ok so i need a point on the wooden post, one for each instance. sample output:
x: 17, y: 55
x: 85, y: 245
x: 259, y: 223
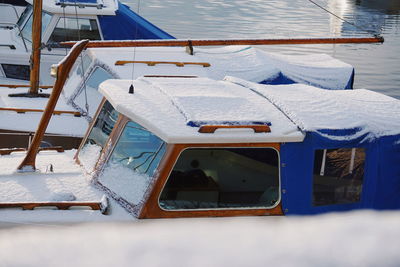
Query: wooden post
x: 35, y: 53
x: 36, y: 44
x: 64, y: 67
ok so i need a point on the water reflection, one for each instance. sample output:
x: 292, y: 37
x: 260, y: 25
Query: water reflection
x: 377, y: 66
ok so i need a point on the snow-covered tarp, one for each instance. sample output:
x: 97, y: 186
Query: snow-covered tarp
x: 338, y: 114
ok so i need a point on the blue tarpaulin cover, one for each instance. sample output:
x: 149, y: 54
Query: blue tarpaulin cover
x: 127, y: 25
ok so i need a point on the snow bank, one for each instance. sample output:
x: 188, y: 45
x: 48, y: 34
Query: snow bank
x: 364, y: 238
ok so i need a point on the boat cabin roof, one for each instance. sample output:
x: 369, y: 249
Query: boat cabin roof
x: 84, y: 7
x: 175, y: 108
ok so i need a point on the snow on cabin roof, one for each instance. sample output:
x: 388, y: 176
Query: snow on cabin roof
x: 66, y: 124
x: 336, y: 114
x: 85, y: 7
x: 170, y: 107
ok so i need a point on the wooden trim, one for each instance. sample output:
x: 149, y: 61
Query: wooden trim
x: 8, y: 151
x: 153, y: 63
x: 55, y: 112
x: 25, y: 86
x: 59, y: 205
x: 213, y: 128
x: 36, y: 44
x: 184, y: 43
x: 152, y: 210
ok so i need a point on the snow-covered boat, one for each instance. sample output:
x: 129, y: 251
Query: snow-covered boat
x: 193, y: 147
x: 64, y: 20
x: 20, y: 116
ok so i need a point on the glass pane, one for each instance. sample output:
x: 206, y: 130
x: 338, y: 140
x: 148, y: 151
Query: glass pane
x: 207, y: 178
x: 21, y: 72
x: 92, y: 83
x: 71, y: 29
x: 24, y: 15
x: 338, y: 176
x: 27, y: 30
x: 98, y: 136
x: 131, y: 165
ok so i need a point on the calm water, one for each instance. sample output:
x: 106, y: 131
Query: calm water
x: 377, y: 66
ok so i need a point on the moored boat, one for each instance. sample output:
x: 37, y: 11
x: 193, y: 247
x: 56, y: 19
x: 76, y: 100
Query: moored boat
x: 194, y: 147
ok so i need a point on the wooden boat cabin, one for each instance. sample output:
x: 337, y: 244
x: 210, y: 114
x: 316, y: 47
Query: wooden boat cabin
x: 193, y: 147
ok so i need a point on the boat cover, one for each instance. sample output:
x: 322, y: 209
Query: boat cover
x: 334, y: 119
x: 128, y: 25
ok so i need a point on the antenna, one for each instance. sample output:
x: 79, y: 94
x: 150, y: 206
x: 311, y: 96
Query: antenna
x: 132, y: 88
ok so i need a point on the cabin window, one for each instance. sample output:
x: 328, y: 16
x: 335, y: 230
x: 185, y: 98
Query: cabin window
x: 338, y: 176
x: 92, y: 83
x: 98, y: 136
x: 132, y: 163
x: 86, y: 61
x: 209, y: 178
x: 13, y: 71
x: 27, y: 29
x: 24, y: 15
x: 72, y: 29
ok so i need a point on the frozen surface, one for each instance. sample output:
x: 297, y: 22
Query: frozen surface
x: 157, y: 112
x: 363, y: 238
x: 313, y: 109
x: 66, y: 183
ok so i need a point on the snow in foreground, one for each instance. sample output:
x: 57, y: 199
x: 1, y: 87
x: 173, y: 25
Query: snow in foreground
x: 364, y: 238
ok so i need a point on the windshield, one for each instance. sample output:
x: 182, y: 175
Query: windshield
x: 27, y: 30
x: 27, y: 12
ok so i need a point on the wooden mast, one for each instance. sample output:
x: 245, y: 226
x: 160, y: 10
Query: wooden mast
x: 63, y: 69
x: 36, y: 45
x: 190, y: 43
x: 35, y: 54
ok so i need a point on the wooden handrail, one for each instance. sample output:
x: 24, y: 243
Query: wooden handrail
x: 25, y: 86
x: 184, y: 43
x: 153, y: 63
x: 64, y: 205
x: 213, y: 128
x: 8, y: 151
x: 55, y: 112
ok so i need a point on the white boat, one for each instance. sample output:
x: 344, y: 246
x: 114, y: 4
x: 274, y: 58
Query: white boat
x: 197, y: 147
x: 81, y: 98
x: 64, y: 20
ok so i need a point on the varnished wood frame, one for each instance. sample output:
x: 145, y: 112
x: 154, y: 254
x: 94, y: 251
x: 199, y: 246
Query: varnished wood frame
x: 152, y: 209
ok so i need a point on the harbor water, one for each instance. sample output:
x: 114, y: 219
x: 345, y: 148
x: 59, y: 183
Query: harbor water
x: 377, y: 65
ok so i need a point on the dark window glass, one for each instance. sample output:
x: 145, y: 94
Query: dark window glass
x: 24, y: 15
x: 71, y: 29
x: 338, y: 176
x: 98, y: 136
x: 21, y: 72
x: 207, y: 178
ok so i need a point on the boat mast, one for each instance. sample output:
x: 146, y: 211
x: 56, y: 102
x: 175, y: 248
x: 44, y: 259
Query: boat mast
x: 35, y: 54
x: 36, y: 45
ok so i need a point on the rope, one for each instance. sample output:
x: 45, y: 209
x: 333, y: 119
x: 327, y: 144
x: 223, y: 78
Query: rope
x: 375, y: 34
x: 81, y: 57
x: 65, y: 29
x: 134, y: 49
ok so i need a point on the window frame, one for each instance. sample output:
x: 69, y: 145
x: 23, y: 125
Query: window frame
x: 61, y: 17
x: 152, y: 208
